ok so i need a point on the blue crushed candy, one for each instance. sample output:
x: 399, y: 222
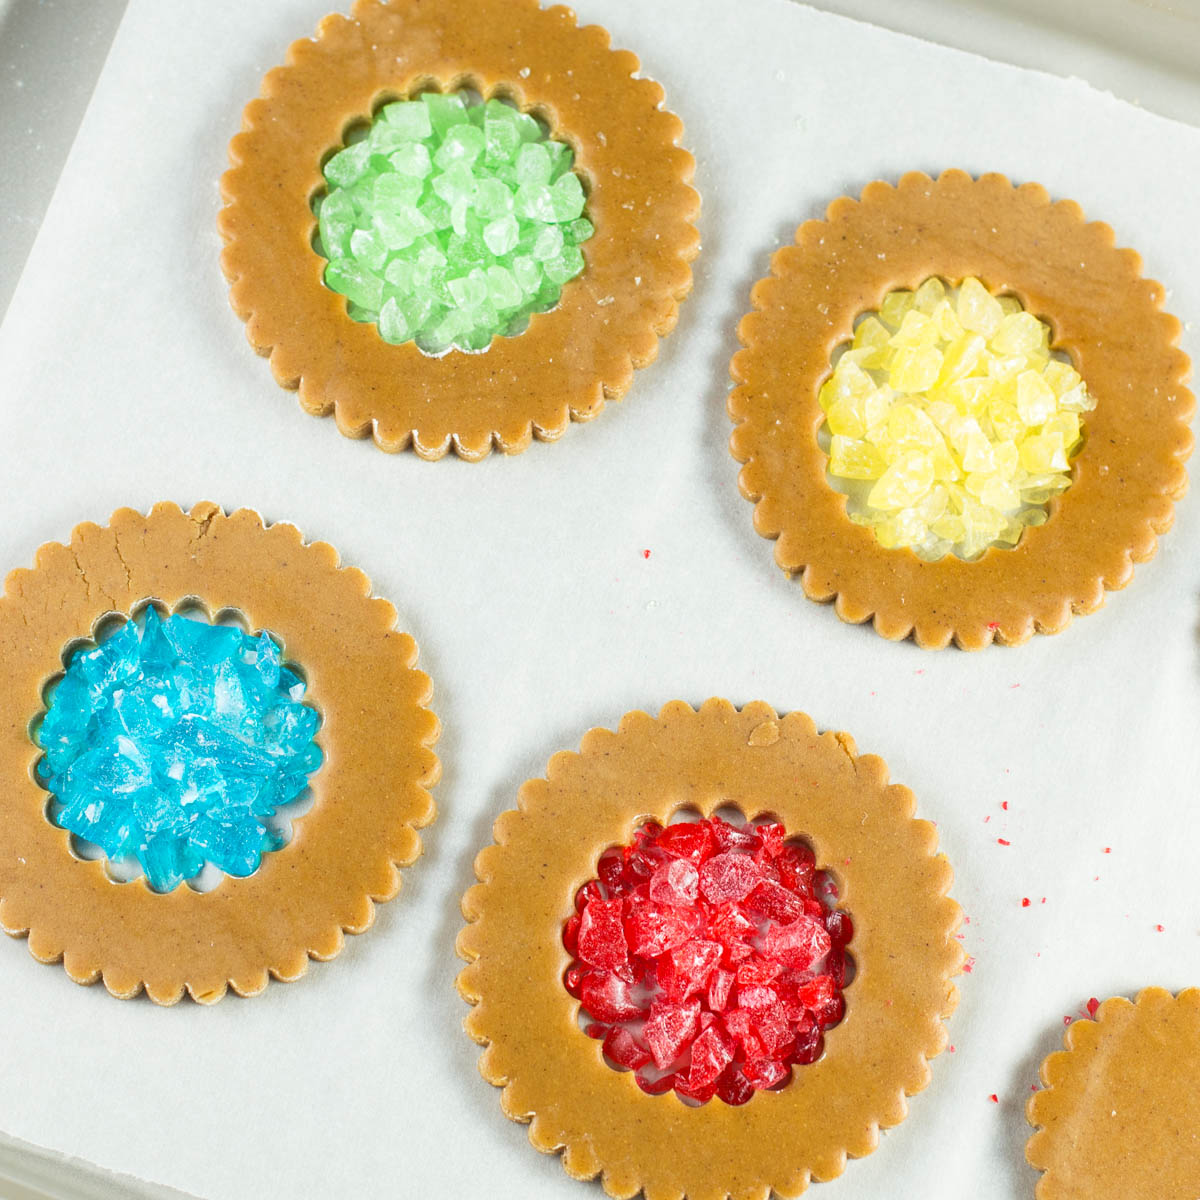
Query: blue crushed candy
x: 174, y: 741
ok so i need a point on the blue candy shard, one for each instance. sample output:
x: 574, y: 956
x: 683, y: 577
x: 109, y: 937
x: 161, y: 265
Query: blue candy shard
x: 174, y: 741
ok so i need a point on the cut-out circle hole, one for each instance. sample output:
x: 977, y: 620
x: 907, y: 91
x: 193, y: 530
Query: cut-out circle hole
x: 950, y: 424
x: 176, y: 746
x: 448, y: 219
x: 709, y: 956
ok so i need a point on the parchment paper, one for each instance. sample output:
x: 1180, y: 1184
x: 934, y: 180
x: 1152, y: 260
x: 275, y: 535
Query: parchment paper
x: 125, y: 378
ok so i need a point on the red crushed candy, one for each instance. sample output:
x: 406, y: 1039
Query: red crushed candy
x: 707, y: 958
x: 1092, y: 1005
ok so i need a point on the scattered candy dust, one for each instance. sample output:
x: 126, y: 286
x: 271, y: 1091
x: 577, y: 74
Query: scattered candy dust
x: 172, y: 741
x: 706, y: 959
x: 451, y: 222
x: 950, y: 423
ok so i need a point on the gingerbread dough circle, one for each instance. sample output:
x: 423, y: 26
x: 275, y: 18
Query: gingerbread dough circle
x: 370, y: 794
x: 891, y: 880
x: 570, y: 360
x: 1065, y: 271
x: 1119, y: 1118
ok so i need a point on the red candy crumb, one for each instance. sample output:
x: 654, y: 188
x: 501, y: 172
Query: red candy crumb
x: 994, y: 1098
x: 645, y: 553
x: 1092, y: 1005
x: 1025, y: 902
x: 708, y: 959
x: 1004, y: 841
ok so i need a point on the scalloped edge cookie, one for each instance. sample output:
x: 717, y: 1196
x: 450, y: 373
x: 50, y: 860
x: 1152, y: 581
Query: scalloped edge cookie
x: 1065, y: 271
x: 569, y: 361
x: 369, y: 797
x: 1119, y: 1116
x: 890, y: 878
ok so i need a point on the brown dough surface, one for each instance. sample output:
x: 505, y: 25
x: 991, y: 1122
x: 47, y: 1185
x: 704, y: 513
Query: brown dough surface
x: 1065, y: 271
x: 370, y: 794
x: 891, y: 880
x: 569, y: 361
x: 1119, y: 1118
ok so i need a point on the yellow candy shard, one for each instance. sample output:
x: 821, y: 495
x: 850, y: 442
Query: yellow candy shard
x: 871, y: 334
x: 948, y: 325
x: 894, y: 307
x: 929, y: 295
x: 977, y: 309
x: 854, y: 459
x: 1036, y: 400
x: 1043, y: 452
x: 1020, y: 333
x: 949, y: 421
x: 845, y: 383
x: 962, y: 357
x: 907, y: 479
x: 1061, y: 377
x: 915, y: 368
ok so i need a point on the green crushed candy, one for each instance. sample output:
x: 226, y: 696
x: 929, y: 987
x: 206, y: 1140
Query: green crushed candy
x: 451, y: 222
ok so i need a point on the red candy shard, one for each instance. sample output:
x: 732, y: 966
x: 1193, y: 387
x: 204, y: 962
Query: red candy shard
x: 602, y: 935
x: 840, y: 927
x: 758, y: 969
x: 653, y: 929
x: 734, y: 930
x: 765, y: 1072
x: 772, y: 835
x: 709, y: 958
x: 669, y: 1028
x: 799, y: 944
x: 701, y: 1095
x: 690, y: 840
x: 654, y: 1087
x: 734, y: 837
x: 775, y: 902
x: 607, y: 998
x: 675, y: 882
x: 686, y: 969
x: 729, y: 876
x: 720, y: 983
x: 711, y: 1054
x: 623, y: 1050
x: 570, y: 937
x: 733, y: 1087
x: 586, y: 894
x: 816, y: 992
x: 796, y: 867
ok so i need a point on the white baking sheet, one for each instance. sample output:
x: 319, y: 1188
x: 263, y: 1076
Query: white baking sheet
x: 125, y: 378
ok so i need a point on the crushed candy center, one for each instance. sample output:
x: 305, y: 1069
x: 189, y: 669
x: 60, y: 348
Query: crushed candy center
x: 451, y: 222
x: 173, y: 742
x: 707, y: 959
x: 948, y: 422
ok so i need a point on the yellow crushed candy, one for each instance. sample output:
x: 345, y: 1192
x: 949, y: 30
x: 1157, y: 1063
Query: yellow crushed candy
x: 949, y: 421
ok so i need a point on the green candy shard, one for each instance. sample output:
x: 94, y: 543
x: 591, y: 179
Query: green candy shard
x: 450, y: 222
